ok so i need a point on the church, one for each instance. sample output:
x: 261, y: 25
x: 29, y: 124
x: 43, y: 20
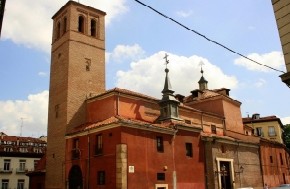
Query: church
x: 121, y: 139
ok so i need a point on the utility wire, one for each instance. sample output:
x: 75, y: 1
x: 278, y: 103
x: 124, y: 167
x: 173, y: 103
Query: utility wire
x: 208, y: 39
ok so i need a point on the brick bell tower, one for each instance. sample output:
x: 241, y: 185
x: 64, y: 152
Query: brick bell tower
x: 77, y: 71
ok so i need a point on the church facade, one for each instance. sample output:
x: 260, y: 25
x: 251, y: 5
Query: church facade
x: 122, y: 139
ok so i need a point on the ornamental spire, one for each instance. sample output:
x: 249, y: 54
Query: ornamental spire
x: 202, y: 82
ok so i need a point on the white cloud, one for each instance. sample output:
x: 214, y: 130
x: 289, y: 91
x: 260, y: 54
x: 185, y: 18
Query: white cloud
x: 126, y: 52
x: 42, y: 74
x: 285, y: 120
x: 273, y: 59
x: 30, y: 113
x: 30, y: 24
x: 260, y: 83
x: 147, y: 75
x: 184, y: 14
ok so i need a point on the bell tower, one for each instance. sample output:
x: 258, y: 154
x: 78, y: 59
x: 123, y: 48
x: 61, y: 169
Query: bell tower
x: 77, y: 71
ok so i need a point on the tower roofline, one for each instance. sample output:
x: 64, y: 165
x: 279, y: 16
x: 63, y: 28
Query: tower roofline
x: 77, y: 4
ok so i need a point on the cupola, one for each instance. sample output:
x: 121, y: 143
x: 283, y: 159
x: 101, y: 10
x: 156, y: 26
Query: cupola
x: 168, y: 104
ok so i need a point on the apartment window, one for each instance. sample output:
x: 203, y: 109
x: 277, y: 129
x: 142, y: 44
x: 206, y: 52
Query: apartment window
x: 99, y: 144
x: 159, y: 144
x: 101, y: 178
x: 22, y: 164
x: 7, y: 164
x: 5, y: 183
x: 213, y: 129
x: 271, y: 131
x: 259, y: 131
x: 188, y: 148
x: 160, y: 176
x: 271, y: 159
x: 35, y: 163
x: 281, y: 159
x: 20, y: 184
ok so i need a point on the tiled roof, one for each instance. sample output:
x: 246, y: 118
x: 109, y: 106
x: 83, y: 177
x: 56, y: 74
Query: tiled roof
x: 126, y: 91
x: 207, y: 94
x: 261, y: 119
x: 21, y: 139
x: 120, y: 119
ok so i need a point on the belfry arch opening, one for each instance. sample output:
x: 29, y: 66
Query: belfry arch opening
x: 93, y: 27
x: 81, y: 26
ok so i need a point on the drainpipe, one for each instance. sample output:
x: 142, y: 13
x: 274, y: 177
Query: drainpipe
x: 88, y: 168
x: 173, y: 158
x: 201, y: 119
x: 117, y: 103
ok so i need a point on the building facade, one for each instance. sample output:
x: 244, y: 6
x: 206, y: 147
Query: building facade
x: 121, y: 139
x: 268, y: 127
x: 18, y: 155
x: 77, y: 71
x: 282, y: 11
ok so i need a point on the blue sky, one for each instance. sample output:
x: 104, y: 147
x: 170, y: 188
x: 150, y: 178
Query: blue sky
x: 137, y: 39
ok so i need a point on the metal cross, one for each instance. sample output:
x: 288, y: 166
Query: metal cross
x: 166, y: 60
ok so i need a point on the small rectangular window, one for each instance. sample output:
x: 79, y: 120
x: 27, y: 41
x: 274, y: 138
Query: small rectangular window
x: 99, y: 145
x: 271, y: 159
x: 7, y: 164
x: 213, y: 129
x: 259, y: 131
x: 281, y: 159
x: 101, y: 178
x: 56, y: 109
x: 159, y: 144
x: 271, y: 131
x: 188, y: 148
x: 160, y: 176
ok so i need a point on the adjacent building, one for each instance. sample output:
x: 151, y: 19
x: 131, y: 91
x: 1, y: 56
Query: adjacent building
x: 282, y: 14
x: 268, y: 127
x: 18, y: 155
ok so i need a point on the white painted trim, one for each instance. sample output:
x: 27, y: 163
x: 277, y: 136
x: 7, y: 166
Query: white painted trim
x: 161, y: 185
x: 232, y: 173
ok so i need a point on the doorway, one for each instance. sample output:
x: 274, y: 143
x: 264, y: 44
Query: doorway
x: 225, y: 175
x: 75, y: 178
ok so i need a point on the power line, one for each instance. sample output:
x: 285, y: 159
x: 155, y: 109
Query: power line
x: 208, y: 39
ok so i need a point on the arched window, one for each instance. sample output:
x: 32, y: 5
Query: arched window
x: 81, y: 27
x: 64, y: 25
x: 93, y: 28
x: 58, y: 30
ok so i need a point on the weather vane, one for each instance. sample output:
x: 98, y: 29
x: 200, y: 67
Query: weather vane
x: 166, y: 60
x: 200, y: 64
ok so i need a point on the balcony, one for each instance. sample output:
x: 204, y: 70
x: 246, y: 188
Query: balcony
x: 272, y: 134
x: 76, y: 153
x: 98, y: 151
x: 21, y: 170
x: 2, y: 170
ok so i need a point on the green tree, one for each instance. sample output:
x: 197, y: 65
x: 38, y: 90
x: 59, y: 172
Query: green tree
x: 286, y: 135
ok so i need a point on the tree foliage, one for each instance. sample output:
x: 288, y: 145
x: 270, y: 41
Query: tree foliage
x: 286, y: 135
